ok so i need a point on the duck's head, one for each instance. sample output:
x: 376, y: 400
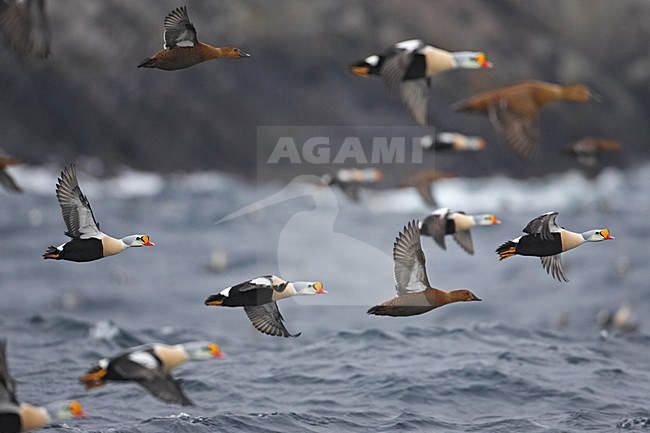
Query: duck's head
x: 463, y: 295
x: 597, y: 235
x: 233, y: 52
x: 202, y: 350
x: 471, y: 60
x: 580, y: 93
x: 137, y: 241
x: 309, y: 288
x: 486, y: 220
x: 371, y: 65
x: 61, y: 410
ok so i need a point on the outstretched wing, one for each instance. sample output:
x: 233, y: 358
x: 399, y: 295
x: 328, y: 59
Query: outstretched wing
x: 464, y: 239
x: 8, y: 182
x: 267, y: 319
x: 409, y: 267
x: 543, y: 226
x: 166, y: 388
x: 77, y: 214
x: 179, y: 31
x: 553, y: 265
x: 515, y: 118
x: 436, y: 226
x: 7, y: 383
x: 24, y: 27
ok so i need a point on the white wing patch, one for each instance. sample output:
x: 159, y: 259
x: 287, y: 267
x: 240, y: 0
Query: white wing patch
x: 410, y: 45
x: 261, y: 282
x: 225, y: 292
x: 144, y: 359
x: 103, y: 363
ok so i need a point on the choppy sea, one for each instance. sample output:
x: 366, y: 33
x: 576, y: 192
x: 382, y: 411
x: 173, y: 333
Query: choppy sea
x: 529, y: 358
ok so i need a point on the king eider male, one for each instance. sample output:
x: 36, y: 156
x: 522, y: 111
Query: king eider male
x: 19, y: 417
x: 258, y: 297
x: 150, y: 366
x: 443, y: 222
x: 88, y: 242
x: 544, y: 239
x: 414, y: 293
x: 452, y: 141
x: 350, y: 180
x: 182, y: 49
x: 407, y: 67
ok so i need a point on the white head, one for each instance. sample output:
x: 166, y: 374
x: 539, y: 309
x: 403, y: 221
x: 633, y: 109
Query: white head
x: 202, y: 350
x: 485, y: 220
x: 60, y: 410
x: 308, y: 288
x: 470, y: 60
x: 597, y: 235
x: 137, y: 241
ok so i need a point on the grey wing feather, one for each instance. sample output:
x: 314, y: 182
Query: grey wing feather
x: 553, y: 266
x: 415, y: 96
x: 409, y: 267
x: 8, y: 182
x: 351, y: 190
x: 166, y: 388
x: 267, y: 319
x: 519, y: 132
x: 424, y: 189
x: 179, y: 31
x: 543, y: 226
x: 436, y: 225
x: 464, y: 239
x: 24, y: 27
x: 76, y: 210
x: 6, y: 381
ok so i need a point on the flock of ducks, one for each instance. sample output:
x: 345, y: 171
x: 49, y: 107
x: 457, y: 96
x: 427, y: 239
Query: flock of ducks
x: 407, y: 68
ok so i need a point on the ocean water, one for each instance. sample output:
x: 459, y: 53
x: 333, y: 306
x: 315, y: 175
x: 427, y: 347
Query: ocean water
x: 529, y: 358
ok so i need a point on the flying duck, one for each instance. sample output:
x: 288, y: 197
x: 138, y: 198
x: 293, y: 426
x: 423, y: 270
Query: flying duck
x: 546, y: 240
x: 350, y: 180
x: 24, y: 27
x: 19, y: 417
x: 258, y: 297
x: 443, y: 222
x: 513, y: 110
x: 150, y: 366
x: 414, y: 292
x: 88, y: 242
x: 454, y: 141
x: 422, y: 182
x: 407, y: 67
x: 182, y: 49
x: 5, y: 179
x: 588, y: 150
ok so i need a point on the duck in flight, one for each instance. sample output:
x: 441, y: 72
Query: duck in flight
x: 546, y: 240
x: 458, y: 224
x: 258, y: 297
x: 407, y: 68
x: 24, y: 28
x: 150, y: 366
x: 88, y: 243
x: 5, y: 179
x: 514, y: 110
x: 18, y: 417
x: 414, y: 292
x: 182, y: 49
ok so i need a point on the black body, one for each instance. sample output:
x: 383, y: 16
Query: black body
x: 530, y: 245
x: 81, y: 250
x: 244, y: 298
x: 10, y: 423
x: 417, y: 68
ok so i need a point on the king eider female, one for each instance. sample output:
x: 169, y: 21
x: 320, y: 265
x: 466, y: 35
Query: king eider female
x: 414, y: 293
x: 407, y: 67
x: 258, y: 297
x: 19, y: 417
x: 150, y: 366
x: 443, y: 222
x: 182, y: 49
x: 544, y: 239
x: 88, y: 242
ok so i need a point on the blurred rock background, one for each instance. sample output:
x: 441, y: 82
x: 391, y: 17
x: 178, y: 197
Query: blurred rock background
x: 89, y: 99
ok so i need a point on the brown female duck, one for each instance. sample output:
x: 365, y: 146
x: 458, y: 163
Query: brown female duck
x: 182, y: 49
x: 414, y: 293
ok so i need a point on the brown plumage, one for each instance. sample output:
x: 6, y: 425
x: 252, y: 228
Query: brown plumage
x: 422, y: 181
x: 414, y: 293
x: 24, y: 27
x: 5, y: 179
x: 588, y: 150
x: 182, y: 48
x: 513, y: 110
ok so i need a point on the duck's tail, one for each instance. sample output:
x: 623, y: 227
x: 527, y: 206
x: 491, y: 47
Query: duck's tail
x: 94, y: 377
x: 506, y: 250
x: 52, y: 253
x: 215, y: 300
x: 147, y: 63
